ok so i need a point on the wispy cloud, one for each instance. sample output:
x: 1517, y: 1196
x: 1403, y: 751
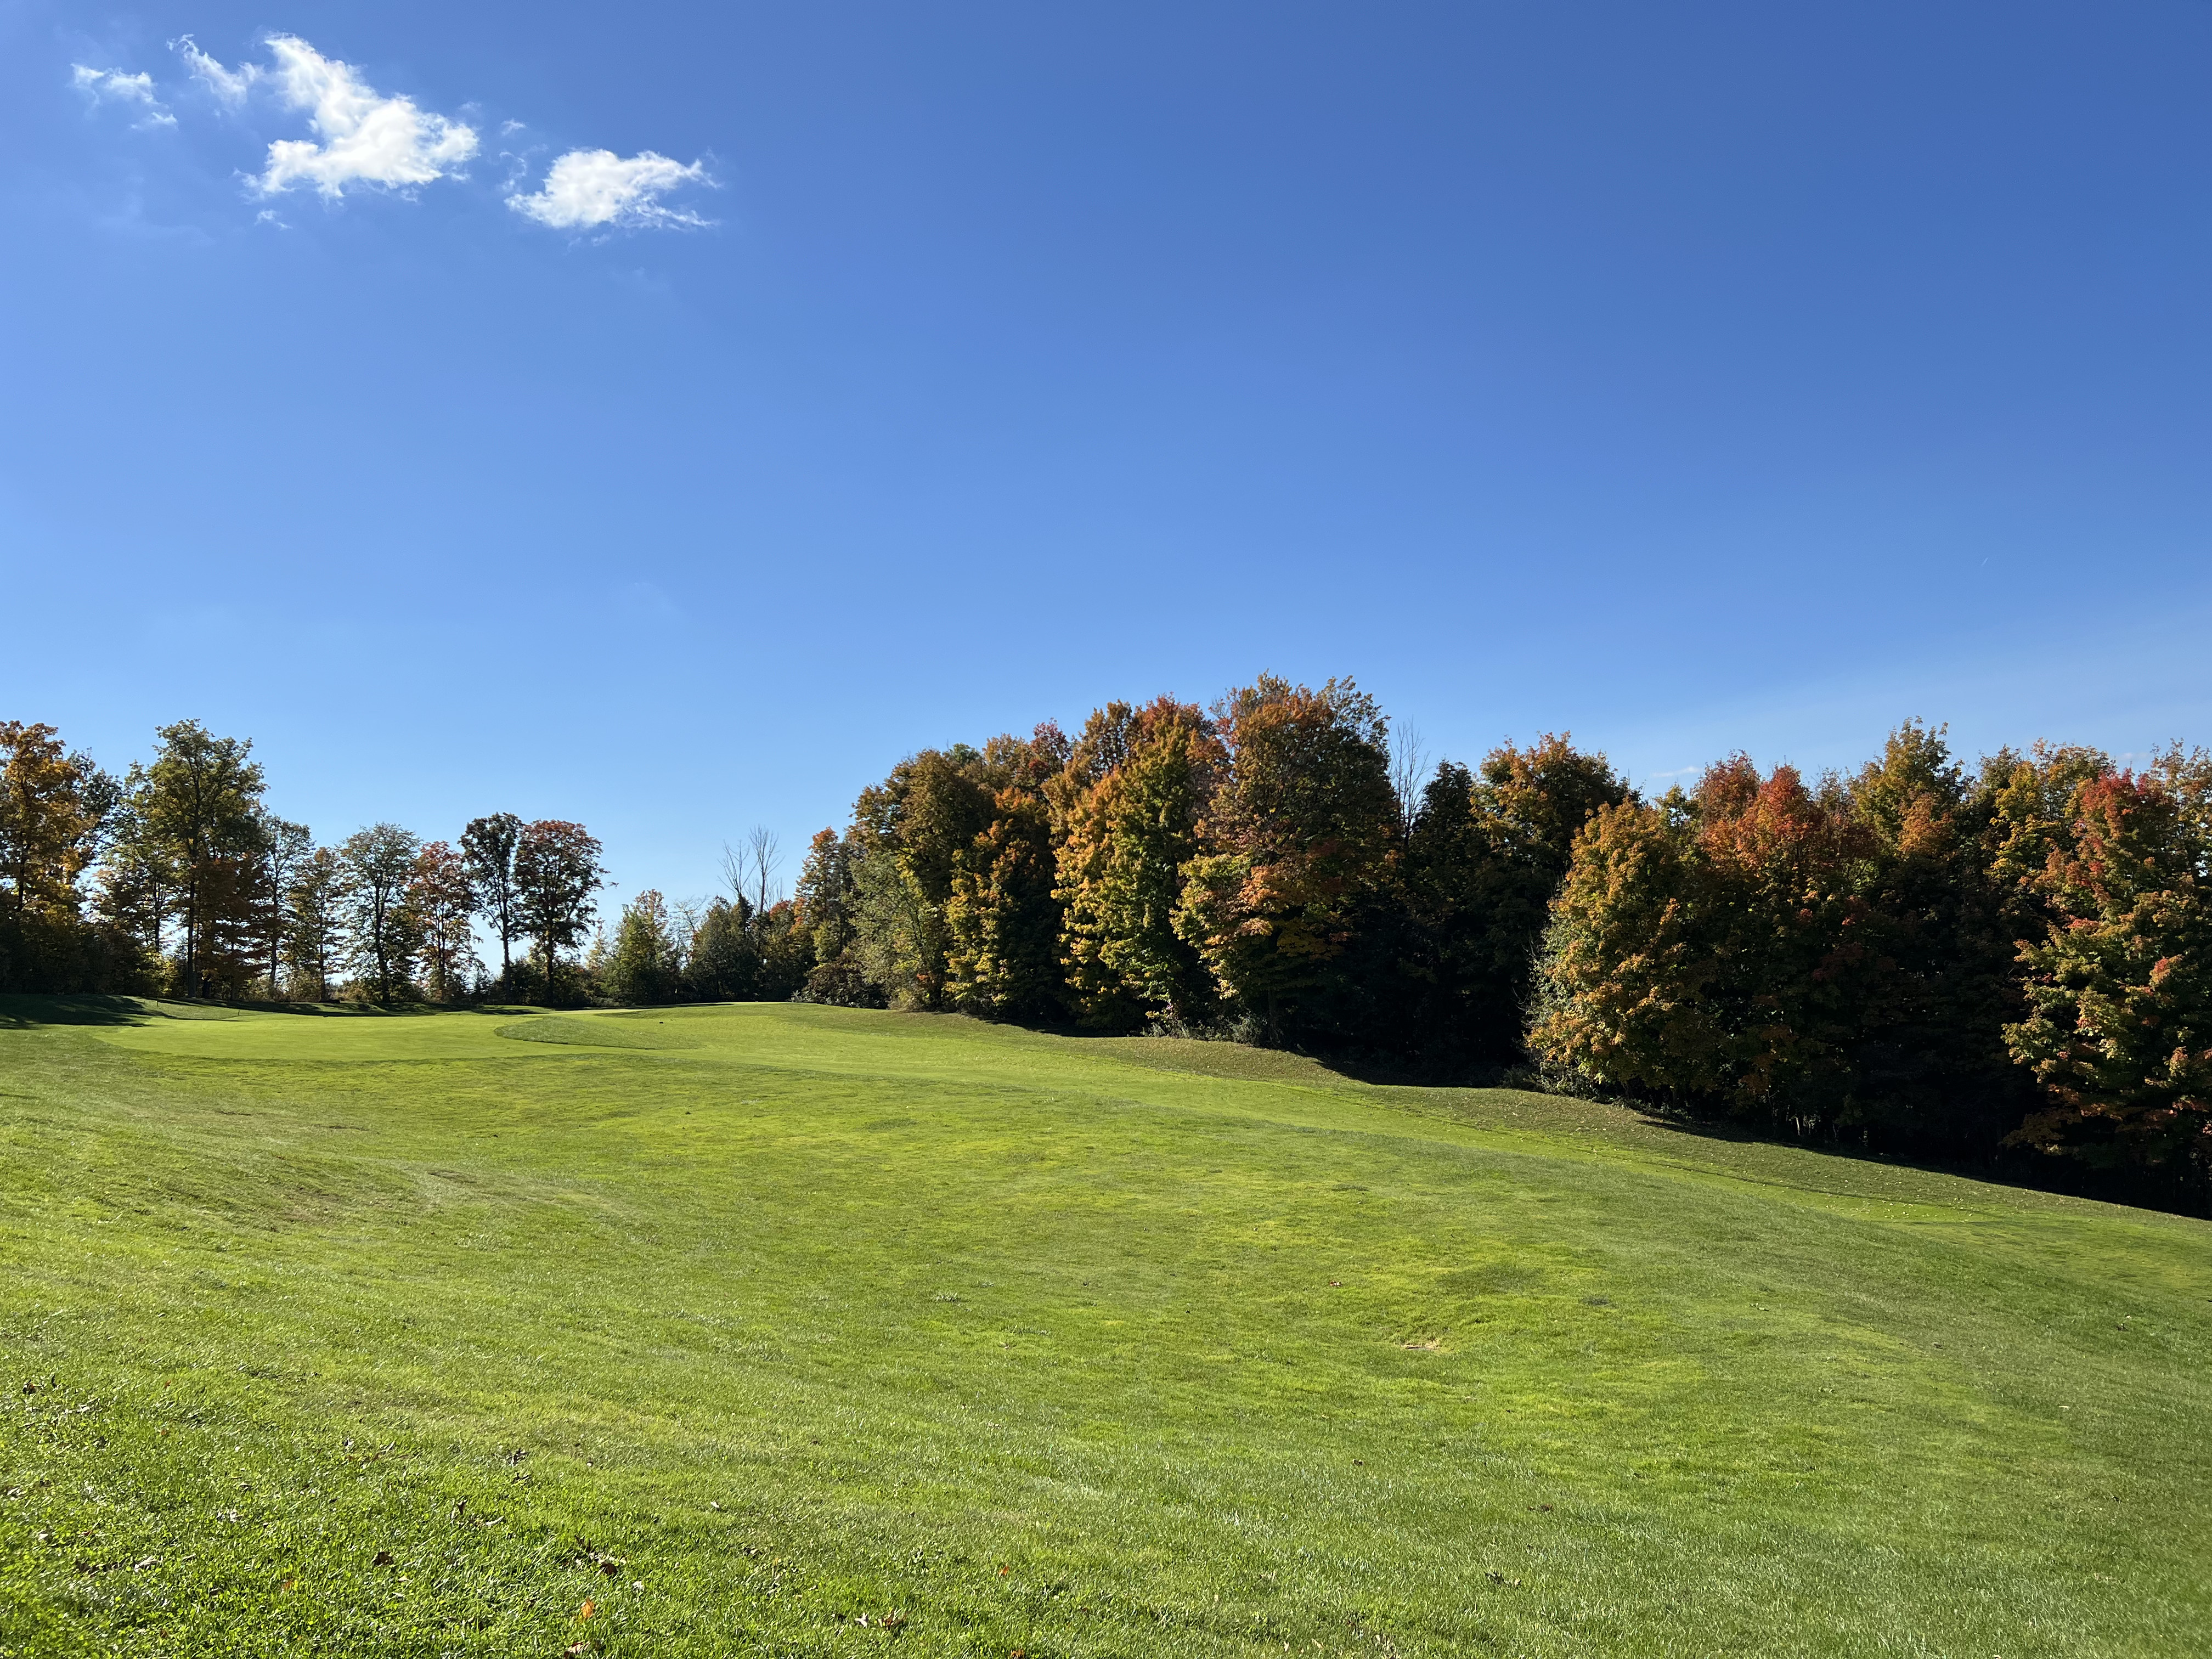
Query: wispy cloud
x: 229, y: 85
x: 592, y: 189
x: 114, y: 87
x: 367, y: 138
x: 364, y: 138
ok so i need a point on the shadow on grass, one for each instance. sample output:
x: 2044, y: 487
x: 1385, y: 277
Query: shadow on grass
x: 23, y: 1012
x: 28, y: 1010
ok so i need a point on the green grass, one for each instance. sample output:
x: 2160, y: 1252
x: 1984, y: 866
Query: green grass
x: 788, y: 1330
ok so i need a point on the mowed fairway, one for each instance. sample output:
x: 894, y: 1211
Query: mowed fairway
x: 790, y: 1330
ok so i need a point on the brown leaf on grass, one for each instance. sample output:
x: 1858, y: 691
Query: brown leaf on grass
x: 383, y: 1558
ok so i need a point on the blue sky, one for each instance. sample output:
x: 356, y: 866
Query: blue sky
x: 756, y: 394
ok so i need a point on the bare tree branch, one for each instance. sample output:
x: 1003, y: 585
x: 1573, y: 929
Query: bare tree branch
x: 763, y: 857
x: 1409, y: 763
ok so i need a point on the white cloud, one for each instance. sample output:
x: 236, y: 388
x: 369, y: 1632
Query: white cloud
x: 367, y: 138
x: 229, y: 85
x: 590, y: 188
x: 114, y: 87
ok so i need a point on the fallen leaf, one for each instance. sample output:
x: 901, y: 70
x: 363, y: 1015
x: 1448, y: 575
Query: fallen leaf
x: 383, y: 1558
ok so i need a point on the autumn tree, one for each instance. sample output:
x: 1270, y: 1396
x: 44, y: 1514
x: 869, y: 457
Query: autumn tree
x: 909, y: 832
x: 52, y: 805
x: 1002, y: 917
x: 441, y: 903
x: 557, y: 870
x: 382, y: 934
x: 1732, y: 936
x: 2118, y: 1030
x: 1128, y: 806
x: 1299, y: 833
x: 1621, y: 993
x: 488, y: 845
x: 1486, y: 852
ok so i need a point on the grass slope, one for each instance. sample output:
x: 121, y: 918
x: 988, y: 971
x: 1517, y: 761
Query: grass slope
x: 774, y: 1329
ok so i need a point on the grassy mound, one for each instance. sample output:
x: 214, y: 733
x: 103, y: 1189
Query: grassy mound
x: 774, y: 1329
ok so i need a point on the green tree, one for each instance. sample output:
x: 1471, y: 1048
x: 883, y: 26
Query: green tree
x: 315, y: 914
x: 1935, y: 955
x: 646, y: 964
x: 1485, y: 853
x: 285, y: 848
x: 827, y: 913
x: 197, y: 831
x: 383, y: 935
x: 723, y: 962
x: 557, y: 870
x: 1302, y: 831
x: 488, y: 845
x: 910, y: 833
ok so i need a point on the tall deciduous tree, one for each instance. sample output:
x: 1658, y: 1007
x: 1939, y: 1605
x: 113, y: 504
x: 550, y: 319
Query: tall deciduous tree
x: 285, y: 848
x: 557, y: 870
x: 1002, y: 918
x: 827, y: 905
x: 51, y: 807
x: 646, y: 963
x: 1129, y: 807
x: 1301, y: 832
x: 488, y: 845
x: 1934, y: 932
x: 197, y: 807
x: 441, y: 902
x: 315, y: 914
x: 379, y: 862
x: 1485, y: 853
x: 909, y: 832
x: 1622, y: 991
x: 2119, y: 990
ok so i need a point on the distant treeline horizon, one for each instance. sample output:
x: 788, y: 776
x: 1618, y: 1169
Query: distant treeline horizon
x: 2008, y: 960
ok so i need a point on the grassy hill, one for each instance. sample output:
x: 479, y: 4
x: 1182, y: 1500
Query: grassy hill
x: 785, y: 1330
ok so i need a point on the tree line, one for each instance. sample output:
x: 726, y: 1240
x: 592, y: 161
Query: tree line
x: 176, y: 878
x: 2008, y: 959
